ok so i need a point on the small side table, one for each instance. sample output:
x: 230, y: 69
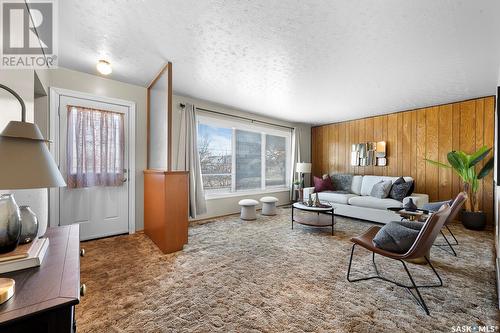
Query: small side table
x: 418, y: 215
x: 46, y: 296
x: 298, y: 194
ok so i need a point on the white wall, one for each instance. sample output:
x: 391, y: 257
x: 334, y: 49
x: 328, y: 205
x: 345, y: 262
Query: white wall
x: 497, y: 188
x: 22, y: 82
x: 93, y: 84
x: 229, y: 205
x: 158, y: 119
x: 41, y: 110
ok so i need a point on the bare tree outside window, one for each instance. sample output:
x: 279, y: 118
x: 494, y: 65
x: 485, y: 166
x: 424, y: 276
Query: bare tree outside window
x: 275, y: 160
x: 214, y: 147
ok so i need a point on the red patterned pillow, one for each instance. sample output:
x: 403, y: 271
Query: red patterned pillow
x: 321, y: 185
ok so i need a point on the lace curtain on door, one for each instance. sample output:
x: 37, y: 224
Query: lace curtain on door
x: 95, y: 147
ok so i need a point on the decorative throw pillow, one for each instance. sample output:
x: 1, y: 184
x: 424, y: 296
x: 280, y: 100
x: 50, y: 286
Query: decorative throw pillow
x: 397, y: 236
x: 435, y: 206
x: 381, y: 189
x: 356, y: 184
x: 400, y: 189
x: 412, y: 188
x: 400, y: 180
x: 321, y: 185
x: 342, y: 181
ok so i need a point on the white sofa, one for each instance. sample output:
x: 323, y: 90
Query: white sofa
x: 360, y: 205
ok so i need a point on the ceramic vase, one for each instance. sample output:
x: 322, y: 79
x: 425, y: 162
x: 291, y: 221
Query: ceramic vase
x: 310, y: 201
x: 29, y: 225
x: 317, y: 203
x: 10, y: 223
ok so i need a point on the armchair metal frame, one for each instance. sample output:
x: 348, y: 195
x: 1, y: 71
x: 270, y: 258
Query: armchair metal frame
x: 448, y: 243
x: 418, y: 296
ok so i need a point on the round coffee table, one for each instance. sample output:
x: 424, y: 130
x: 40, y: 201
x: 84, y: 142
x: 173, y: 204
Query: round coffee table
x: 319, y: 217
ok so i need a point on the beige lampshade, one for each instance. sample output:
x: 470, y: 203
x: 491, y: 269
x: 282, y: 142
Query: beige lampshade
x: 25, y: 159
x: 304, y: 167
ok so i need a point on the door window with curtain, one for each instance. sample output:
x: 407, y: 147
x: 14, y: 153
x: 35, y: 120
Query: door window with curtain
x: 95, y: 149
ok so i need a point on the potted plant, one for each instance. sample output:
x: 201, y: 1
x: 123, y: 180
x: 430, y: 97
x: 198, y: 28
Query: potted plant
x: 464, y: 166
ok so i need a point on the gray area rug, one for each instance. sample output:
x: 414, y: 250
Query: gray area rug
x: 262, y: 276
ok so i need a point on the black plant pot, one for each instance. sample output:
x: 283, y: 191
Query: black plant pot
x: 474, y: 220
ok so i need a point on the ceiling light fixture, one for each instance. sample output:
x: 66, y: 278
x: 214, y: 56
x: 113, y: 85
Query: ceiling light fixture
x: 104, y: 67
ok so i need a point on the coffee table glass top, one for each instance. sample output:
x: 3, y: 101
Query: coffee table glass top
x: 300, y: 205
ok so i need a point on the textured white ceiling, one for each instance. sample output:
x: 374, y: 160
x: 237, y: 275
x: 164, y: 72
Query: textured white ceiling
x: 300, y: 60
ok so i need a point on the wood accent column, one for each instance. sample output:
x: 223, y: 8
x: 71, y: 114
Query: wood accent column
x: 411, y: 137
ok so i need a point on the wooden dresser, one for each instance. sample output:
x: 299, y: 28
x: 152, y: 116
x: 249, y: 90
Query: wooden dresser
x: 166, y: 208
x: 45, y: 296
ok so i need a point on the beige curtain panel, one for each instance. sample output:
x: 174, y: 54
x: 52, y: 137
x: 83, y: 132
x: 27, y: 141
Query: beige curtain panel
x: 95, y: 148
x: 295, y: 159
x: 188, y: 159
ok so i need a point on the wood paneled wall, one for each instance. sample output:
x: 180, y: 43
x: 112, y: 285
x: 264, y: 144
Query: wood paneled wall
x: 411, y: 136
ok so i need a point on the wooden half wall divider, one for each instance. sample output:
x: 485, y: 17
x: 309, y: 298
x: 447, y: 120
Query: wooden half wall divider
x: 166, y: 198
x: 412, y: 136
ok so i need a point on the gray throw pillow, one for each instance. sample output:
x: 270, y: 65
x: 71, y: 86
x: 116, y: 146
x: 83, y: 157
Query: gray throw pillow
x: 342, y: 181
x: 397, y: 236
x: 381, y: 189
x: 400, y: 189
x: 434, y: 206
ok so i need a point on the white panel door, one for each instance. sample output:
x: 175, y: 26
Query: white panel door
x: 100, y: 210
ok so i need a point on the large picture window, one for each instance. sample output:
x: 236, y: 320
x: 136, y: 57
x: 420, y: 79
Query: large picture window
x: 237, y: 156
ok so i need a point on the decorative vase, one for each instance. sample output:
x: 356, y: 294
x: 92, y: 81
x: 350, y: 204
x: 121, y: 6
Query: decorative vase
x: 317, y: 203
x: 474, y: 220
x: 42, y: 227
x: 10, y: 223
x: 410, y: 206
x: 310, y: 201
x: 29, y: 225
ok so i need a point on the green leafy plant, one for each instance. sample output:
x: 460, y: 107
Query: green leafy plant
x: 464, y: 166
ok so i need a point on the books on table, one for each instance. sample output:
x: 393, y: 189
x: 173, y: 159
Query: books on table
x: 24, y: 256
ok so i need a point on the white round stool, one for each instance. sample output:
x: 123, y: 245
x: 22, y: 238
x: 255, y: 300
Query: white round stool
x: 248, y: 209
x: 269, y: 205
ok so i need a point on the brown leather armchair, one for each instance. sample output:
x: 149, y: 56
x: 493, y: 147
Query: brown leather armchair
x: 419, y: 249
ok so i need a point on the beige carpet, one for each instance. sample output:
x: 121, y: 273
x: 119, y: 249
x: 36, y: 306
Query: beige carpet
x: 261, y: 276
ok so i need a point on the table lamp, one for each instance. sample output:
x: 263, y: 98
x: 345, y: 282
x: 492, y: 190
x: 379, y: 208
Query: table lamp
x: 303, y: 168
x: 26, y: 163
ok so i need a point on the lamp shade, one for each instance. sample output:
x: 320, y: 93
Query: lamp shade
x: 26, y: 160
x: 304, y: 167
